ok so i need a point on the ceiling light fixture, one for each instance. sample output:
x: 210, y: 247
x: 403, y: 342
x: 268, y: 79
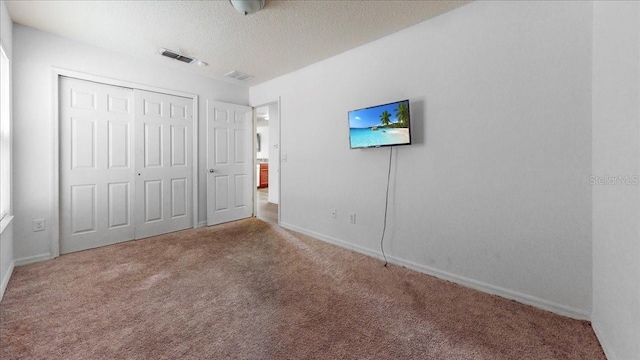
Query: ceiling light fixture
x: 246, y: 7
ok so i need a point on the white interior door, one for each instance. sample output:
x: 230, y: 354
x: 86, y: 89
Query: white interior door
x: 96, y: 167
x: 164, y: 128
x: 229, y: 162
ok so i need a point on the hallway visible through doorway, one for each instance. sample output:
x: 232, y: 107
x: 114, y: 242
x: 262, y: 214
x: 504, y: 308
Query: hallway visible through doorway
x: 267, y: 162
x: 266, y: 211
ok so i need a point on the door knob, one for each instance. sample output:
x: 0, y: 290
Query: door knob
x: 211, y: 171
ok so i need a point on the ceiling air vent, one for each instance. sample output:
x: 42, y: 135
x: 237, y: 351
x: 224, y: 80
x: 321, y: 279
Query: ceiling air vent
x: 174, y: 55
x: 239, y: 75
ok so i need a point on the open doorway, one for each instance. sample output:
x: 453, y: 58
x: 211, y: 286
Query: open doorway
x: 267, y: 162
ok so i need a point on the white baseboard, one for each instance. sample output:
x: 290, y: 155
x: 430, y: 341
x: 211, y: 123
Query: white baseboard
x: 32, y: 259
x: 5, y: 279
x: 494, y: 290
x: 608, y: 353
x: 464, y: 281
x: 201, y: 224
x: 332, y: 240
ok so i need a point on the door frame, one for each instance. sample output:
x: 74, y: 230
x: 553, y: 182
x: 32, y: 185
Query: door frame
x: 277, y: 102
x: 56, y: 73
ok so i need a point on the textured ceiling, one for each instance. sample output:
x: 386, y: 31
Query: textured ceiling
x: 283, y: 37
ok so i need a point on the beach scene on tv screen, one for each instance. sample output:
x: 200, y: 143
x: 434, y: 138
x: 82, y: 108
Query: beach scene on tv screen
x: 380, y: 125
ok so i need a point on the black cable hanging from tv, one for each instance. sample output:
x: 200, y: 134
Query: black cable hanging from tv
x: 386, y: 207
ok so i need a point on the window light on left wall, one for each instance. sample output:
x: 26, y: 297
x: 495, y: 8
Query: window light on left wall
x: 5, y: 138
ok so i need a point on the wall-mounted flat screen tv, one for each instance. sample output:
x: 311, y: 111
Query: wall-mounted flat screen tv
x: 381, y: 125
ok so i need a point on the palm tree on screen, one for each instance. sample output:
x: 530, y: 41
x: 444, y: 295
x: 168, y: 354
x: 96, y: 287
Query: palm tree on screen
x: 384, y: 118
x: 402, y: 113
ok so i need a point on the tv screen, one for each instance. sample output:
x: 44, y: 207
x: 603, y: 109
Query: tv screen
x: 381, y: 125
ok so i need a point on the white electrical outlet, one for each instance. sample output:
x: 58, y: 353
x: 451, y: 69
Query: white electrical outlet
x: 38, y: 225
x: 352, y: 218
x: 334, y: 213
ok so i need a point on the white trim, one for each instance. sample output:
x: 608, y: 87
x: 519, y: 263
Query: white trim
x: 202, y: 224
x: 5, y: 280
x: 254, y: 171
x: 279, y: 160
x: 461, y: 280
x: 56, y: 73
x: 33, y: 259
x: 608, y: 350
x: 194, y: 163
x: 120, y: 83
x: 332, y: 240
x: 54, y: 246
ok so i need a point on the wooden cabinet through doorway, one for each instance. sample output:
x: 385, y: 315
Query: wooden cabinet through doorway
x: 264, y: 176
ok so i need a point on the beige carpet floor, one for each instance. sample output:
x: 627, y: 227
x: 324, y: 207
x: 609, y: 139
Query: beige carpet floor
x: 250, y: 290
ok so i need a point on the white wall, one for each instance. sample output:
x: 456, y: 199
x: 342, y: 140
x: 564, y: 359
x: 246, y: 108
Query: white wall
x: 35, y: 53
x: 6, y: 237
x: 616, y: 152
x: 494, y: 193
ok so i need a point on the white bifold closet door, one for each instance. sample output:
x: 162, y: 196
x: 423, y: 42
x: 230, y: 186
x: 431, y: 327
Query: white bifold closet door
x: 164, y: 154
x: 125, y: 164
